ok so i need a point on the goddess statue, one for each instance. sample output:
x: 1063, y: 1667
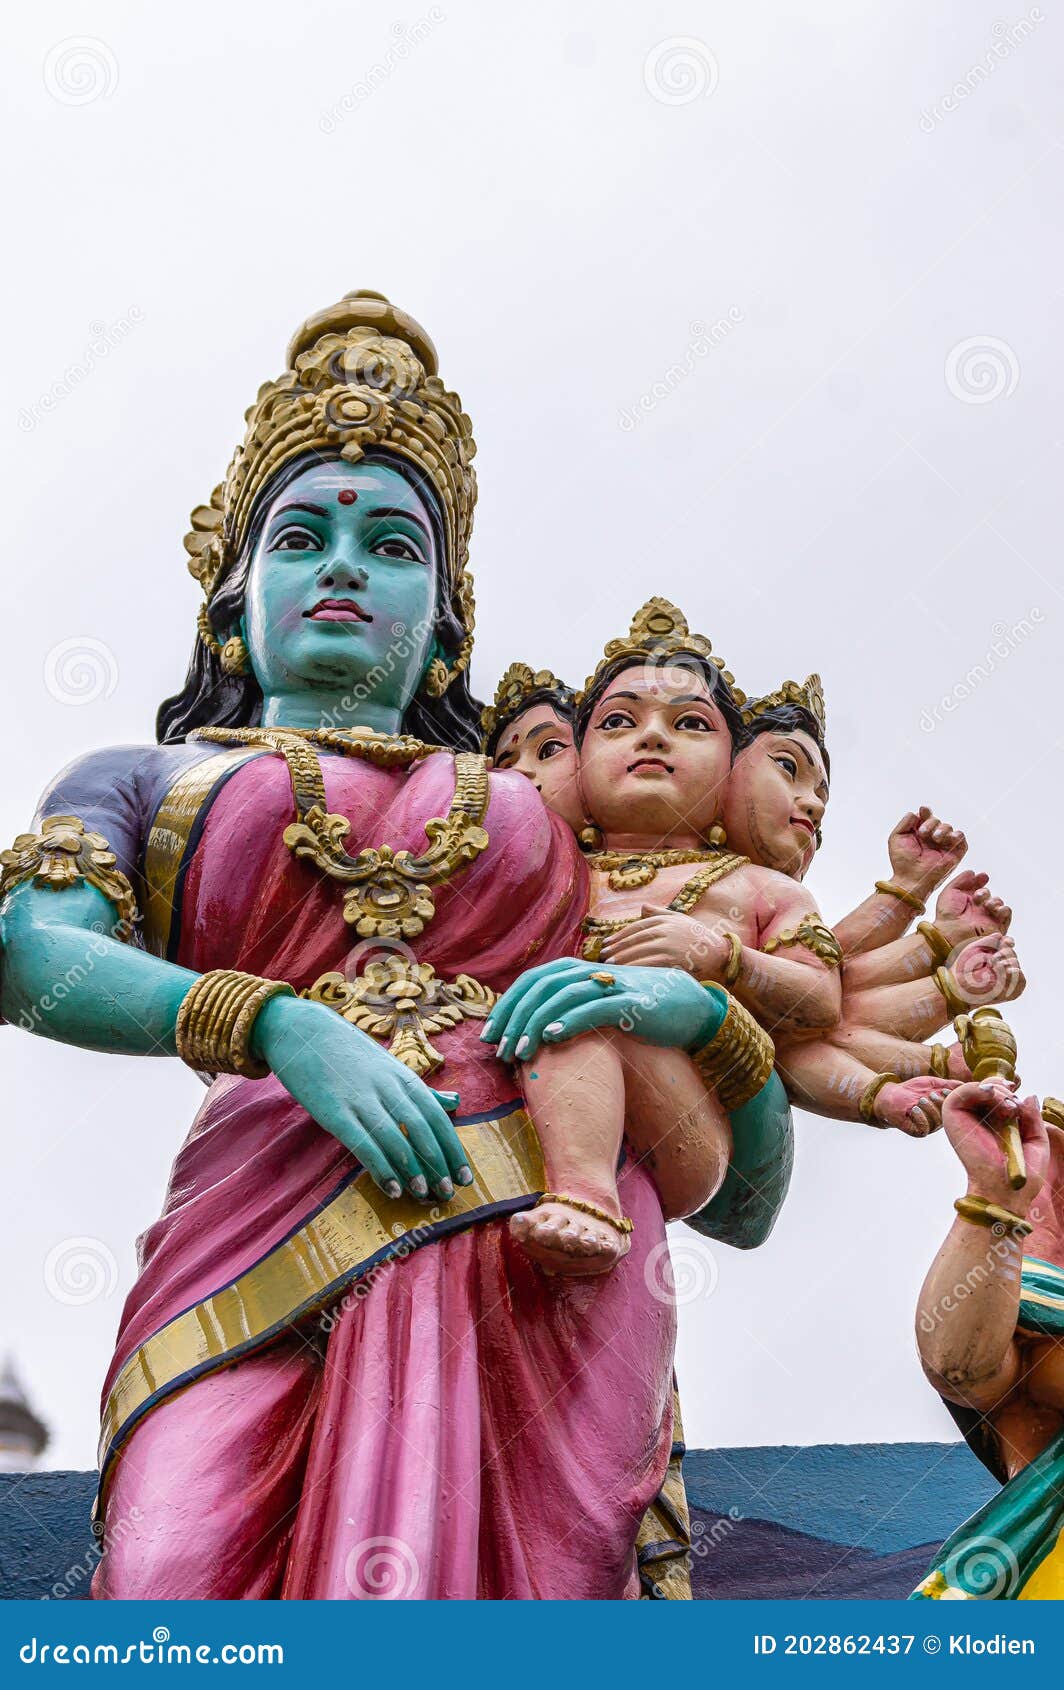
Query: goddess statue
x: 338, y: 1374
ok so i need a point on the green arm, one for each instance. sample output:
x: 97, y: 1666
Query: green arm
x: 744, y: 1210
x: 65, y: 977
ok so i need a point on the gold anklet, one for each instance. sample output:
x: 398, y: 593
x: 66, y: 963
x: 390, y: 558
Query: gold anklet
x: 215, y: 1020
x: 623, y: 1225
x: 985, y: 1213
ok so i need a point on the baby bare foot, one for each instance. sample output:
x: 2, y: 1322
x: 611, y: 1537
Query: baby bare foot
x: 564, y: 1240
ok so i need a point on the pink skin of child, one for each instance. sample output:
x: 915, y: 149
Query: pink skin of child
x: 540, y: 745
x: 654, y: 764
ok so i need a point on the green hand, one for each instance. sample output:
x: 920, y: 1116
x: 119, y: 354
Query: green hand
x: 560, y: 1000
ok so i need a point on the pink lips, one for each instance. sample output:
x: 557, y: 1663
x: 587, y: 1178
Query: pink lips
x: 650, y: 763
x: 801, y: 821
x: 338, y: 610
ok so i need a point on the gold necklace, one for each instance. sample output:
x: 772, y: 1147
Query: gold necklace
x: 597, y: 928
x: 389, y: 893
x: 631, y: 869
x: 384, y: 750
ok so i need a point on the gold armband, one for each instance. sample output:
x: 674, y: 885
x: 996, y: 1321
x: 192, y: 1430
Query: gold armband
x: 215, y: 1020
x: 65, y: 854
x: 734, y: 966
x: 940, y: 1062
x: 936, y: 942
x: 909, y: 898
x: 1053, y: 1111
x: 814, y: 935
x: 984, y: 1213
x: 738, y: 1059
x: 867, y: 1106
x: 954, y: 1002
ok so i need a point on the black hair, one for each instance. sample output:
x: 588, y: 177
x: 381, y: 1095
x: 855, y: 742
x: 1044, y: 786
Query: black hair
x: 788, y: 719
x: 211, y: 698
x: 719, y: 689
x: 561, y: 699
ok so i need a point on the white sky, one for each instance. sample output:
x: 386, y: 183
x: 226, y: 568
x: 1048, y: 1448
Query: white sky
x: 559, y: 210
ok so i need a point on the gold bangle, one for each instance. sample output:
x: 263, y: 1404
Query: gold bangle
x: 738, y: 1059
x: 623, y: 1225
x: 984, y: 1213
x: 867, y: 1106
x: 734, y: 966
x: 947, y: 986
x: 1053, y: 1111
x: 940, y: 1062
x: 936, y: 942
x: 216, y: 1017
x: 909, y: 898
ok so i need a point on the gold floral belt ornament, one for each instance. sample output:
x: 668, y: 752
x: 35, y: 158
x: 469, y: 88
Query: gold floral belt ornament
x: 404, y: 1001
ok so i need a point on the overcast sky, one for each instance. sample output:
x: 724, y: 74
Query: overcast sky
x: 751, y: 310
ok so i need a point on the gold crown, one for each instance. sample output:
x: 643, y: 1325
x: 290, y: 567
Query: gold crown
x: 659, y: 631
x: 518, y: 684
x: 361, y: 374
x: 808, y: 696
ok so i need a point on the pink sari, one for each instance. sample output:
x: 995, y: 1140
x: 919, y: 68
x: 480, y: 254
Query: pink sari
x: 455, y: 1424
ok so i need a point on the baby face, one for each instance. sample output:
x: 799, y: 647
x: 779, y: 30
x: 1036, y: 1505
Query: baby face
x: 655, y: 759
x: 775, y: 798
x: 540, y: 745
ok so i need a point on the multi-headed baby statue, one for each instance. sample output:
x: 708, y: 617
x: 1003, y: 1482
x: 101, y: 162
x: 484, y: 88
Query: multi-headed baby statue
x: 482, y: 1000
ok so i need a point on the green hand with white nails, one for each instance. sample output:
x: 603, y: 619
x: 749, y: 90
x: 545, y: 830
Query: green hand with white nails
x: 560, y: 1000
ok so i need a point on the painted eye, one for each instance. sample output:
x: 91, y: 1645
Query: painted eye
x: 397, y: 547
x: 297, y: 540
x: 695, y: 724
x: 549, y: 748
x: 615, y: 719
x: 789, y: 764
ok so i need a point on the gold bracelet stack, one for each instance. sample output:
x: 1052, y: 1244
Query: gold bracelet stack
x: 909, y: 898
x: 936, y: 942
x: 940, y: 1062
x: 867, y: 1106
x: 985, y: 1213
x: 215, y: 1020
x: 734, y: 966
x: 954, y: 1002
x: 738, y: 1059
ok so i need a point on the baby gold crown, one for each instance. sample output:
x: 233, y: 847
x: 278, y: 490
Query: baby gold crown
x: 659, y: 631
x: 519, y: 683
x: 808, y: 696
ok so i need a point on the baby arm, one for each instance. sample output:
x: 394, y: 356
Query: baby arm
x: 923, y: 850
x: 966, y: 909
x: 790, y: 983
x: 828, y: 1081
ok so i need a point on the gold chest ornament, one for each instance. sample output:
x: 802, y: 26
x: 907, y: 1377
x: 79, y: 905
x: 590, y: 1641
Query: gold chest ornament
x: 389, y: 893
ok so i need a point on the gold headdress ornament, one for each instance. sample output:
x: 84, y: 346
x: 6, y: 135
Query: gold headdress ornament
x: 518, y: 684
x: 808, y: 696
x: 659, y: 631
x: 361, y: 374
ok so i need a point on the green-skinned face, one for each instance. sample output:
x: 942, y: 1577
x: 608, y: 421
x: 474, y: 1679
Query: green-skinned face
x: 341, y: 598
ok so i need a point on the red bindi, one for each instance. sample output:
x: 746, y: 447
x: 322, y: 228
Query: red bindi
x: 347, y: 496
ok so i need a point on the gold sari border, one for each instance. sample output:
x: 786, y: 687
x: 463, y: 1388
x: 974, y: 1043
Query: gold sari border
x: 354, y: 1231
x: 172, y: 838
